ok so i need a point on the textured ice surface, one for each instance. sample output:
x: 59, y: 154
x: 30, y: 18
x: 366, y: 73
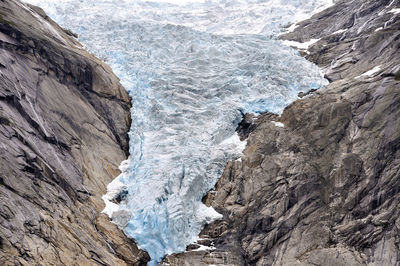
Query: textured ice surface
x: 192, y: 68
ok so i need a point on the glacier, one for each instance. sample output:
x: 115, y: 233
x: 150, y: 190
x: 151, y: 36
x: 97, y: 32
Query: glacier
x: 192, y: 69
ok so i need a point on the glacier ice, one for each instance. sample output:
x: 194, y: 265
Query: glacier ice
x: 192, y: 68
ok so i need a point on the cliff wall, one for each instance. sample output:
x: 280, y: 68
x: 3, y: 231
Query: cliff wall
x: 64, y: 119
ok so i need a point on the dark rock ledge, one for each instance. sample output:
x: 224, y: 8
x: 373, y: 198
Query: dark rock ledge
x: 64, y: 119
x: 324, y: 189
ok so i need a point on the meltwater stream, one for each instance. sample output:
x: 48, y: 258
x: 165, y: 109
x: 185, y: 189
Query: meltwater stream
x: 192, y: 68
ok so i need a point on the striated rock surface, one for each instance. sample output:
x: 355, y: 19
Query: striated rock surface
x: 64, y: 119
x: 325, y: 188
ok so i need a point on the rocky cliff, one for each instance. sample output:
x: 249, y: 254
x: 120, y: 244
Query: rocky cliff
x: 324, y: 187
x: 321, y: 187
x: 64, y: 119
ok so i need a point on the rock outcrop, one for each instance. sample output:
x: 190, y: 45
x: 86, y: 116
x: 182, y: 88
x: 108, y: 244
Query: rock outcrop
x: 325, y: 188
x: 64, y: 119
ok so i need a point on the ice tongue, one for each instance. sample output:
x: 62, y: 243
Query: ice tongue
x: 192, y: 69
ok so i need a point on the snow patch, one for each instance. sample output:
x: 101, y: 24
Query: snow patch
x: 370, y: 73
x: 203, y: 248
x: 395, y: 11
x: 291, y: 28
x: 339, y: 31
x: 300, y: 45
x: 278, y: 124
x: 391, y: 3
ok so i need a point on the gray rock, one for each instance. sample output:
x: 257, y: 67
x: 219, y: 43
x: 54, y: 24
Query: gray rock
x: 64, y: 119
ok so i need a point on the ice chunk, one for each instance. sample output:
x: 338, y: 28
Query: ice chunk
x: 113, y: 190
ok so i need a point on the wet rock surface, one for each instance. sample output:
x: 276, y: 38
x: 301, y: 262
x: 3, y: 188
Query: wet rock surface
x: 64, y: 119
x: 323, y: 189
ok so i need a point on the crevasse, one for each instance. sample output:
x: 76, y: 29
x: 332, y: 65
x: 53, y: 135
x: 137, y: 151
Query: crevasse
x: 192, y: 68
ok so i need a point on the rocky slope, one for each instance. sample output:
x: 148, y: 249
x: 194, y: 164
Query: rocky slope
x: 64, y: 119
x: 325, y: 188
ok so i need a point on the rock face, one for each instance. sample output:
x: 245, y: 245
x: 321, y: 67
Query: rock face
x: 64, y: 119
x: 325, y: 188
